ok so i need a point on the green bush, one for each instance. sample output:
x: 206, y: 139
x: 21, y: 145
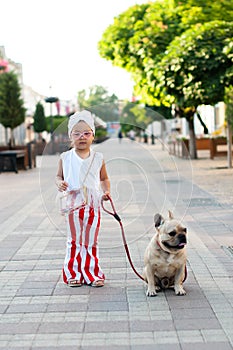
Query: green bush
x: 59, y: 124
x: 100, y: 132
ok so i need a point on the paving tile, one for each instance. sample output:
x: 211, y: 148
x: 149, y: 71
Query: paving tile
x: 214, y: 335
x: 21, y: 328
x: 136, y: 326
x: 34, y: 291
x: 106, y: 347
x: 188, y: 304
x: 106, y: 326
x: 55, y: 347
x: 108, y: 306
x: 156, y: 346
x: 121, y: 297
x: 61, y: 327
x: 27, y: 347
x: 67, y: 307
x: 3, y: 308
x: 26, y: 308
x: 180, y: 314
x: 190, y: 336
x: 38, y: 284
x: 197, y: 323
x: 65, y: 290
x: 207, y: 346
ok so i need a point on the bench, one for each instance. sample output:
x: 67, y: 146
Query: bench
x: 217, y: 147
x: 9, y: 159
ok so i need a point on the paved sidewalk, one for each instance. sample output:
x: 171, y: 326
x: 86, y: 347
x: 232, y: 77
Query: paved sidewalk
x: 39, y: 312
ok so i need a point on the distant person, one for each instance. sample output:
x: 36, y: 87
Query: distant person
x: 132, y: 135
x: 120, y: 135
x: 81, y: 173
x: 145, y: 137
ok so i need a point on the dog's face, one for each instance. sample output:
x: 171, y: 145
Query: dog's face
x: 171, y: 234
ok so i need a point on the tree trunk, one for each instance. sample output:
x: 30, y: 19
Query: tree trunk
x: 6, y: 136
x: 229, y: 145
x: 192, y: 139
x: 12, y: 140
x: 163, y: 133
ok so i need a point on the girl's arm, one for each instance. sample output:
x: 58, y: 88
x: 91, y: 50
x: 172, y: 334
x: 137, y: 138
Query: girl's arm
x: 59, y: 180
x: 105, y: 182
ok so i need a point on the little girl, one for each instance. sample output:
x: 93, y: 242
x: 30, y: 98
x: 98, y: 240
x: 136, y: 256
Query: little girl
x: 81, y: 168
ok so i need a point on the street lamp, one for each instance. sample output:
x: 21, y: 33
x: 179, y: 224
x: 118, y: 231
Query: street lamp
x: 51, y: 100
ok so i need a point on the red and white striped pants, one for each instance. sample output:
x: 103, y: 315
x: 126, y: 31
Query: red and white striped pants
x: 82, y: 254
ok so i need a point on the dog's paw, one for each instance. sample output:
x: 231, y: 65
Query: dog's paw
x: 179, y: 290
x: 151, y: 293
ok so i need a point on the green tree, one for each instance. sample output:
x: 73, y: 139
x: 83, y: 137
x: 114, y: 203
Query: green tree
x: 137, y: 116
x: 128, y: 117
x: 12, y: 111
x: 197, y: 74
x: 99, y: 102
x: 39, y: 119
x: 137, y: 40
x: 140, y: 38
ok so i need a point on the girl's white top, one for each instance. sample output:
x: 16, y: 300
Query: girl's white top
x: 75, y: 170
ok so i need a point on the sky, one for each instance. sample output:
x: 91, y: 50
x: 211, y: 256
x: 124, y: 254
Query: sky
x: 56, y: 43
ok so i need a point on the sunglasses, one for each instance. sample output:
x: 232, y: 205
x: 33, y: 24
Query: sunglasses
x: 86, y: 134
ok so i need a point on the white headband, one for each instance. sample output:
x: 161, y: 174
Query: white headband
x: 85, y: 116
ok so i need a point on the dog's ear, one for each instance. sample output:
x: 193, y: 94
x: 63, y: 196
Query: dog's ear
x: 171, y: 216
x: 158, y: 219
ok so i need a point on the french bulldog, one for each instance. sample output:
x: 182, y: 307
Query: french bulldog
x: 165, y: 256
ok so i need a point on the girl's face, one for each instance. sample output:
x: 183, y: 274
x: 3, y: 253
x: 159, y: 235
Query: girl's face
x: 82, y: 136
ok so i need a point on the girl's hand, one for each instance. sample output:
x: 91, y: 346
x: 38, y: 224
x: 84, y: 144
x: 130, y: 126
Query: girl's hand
x: 106, y: 196
x: 62, y: 186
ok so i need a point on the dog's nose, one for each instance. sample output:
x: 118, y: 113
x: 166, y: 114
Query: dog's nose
x: 182, y: 238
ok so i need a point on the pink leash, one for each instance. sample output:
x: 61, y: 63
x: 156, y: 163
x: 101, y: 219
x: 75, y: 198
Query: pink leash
x: 117, y: 217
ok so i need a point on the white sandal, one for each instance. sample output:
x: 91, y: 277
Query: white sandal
x: 74, y: 283
x: 98, y: 283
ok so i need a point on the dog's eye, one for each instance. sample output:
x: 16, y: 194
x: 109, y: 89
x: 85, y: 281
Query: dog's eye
x: 172, y: 233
